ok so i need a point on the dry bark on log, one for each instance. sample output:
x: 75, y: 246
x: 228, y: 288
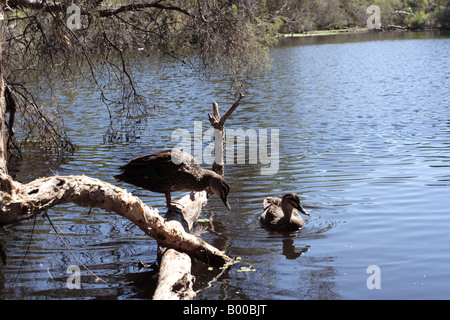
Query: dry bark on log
x: 175, y: 281
x: 27, y: 200
x: 193, y: 204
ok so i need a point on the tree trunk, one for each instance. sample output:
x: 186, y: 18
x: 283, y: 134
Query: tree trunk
x: 3, y: 151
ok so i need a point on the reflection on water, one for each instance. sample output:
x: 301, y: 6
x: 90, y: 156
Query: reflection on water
x: 364, y: 139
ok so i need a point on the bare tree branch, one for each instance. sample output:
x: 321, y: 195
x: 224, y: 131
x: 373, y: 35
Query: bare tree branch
x: 3, y: 151
x: 61, y: 7
x: 218, y: 123
x: 138, y: 6
x: 37, y: 5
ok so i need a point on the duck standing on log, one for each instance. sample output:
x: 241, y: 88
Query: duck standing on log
x: 279, y: 214
x: 170, y: 171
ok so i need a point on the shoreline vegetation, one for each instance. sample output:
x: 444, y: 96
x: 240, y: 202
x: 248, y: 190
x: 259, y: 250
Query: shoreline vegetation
x: 328, y: 32
x: 346, y: 31
x: 329, y: 17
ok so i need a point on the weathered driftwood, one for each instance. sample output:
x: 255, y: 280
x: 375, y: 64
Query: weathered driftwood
x: 218, y: 123
x: 192, y: 205
x: 27, y: 200
x: 175, y: 281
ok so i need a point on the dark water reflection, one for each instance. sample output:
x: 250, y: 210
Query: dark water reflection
x: 364, y: 130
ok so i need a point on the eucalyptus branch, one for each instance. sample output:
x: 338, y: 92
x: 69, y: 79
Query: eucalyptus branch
x: 61, y: 7
x: 138, y: 6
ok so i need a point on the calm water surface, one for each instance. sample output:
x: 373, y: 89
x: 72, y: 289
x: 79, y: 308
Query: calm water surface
x: 364, y: 125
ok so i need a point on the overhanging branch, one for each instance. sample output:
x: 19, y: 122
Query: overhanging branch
x: 61, y: 7
x: 139, y: 6
x: 37, y: 5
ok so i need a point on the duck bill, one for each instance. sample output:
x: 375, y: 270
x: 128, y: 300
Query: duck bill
x: 225, y: 202
x: 302, y: 210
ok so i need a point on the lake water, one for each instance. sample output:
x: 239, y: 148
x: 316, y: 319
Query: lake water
x: 364, y: 139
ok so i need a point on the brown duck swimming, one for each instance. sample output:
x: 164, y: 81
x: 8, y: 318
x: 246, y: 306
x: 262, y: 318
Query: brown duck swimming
x: 279, y: 214
x: 172, y: 170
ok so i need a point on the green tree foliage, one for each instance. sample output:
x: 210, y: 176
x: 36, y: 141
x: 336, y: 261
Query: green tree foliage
x: 301, y: 16
x: 441, y: 14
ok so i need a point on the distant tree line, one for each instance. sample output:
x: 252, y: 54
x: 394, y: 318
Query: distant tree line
x: 296, y: 16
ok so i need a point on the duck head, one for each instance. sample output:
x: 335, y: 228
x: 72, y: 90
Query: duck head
x: 291, y: 201
x: 220, y: 188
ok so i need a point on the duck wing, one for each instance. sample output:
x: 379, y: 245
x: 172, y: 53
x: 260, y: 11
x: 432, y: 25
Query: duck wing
x: 157, y: 165
x: 272, y: 201
x: 162, y: 171
x: 272, y: 211
x: 151, y: 166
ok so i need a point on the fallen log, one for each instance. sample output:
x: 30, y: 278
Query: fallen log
x: 22, y: 201
x: 175, y: 281
x: 393, y: 27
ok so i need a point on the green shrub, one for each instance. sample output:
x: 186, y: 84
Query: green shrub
x: 417, y: 20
